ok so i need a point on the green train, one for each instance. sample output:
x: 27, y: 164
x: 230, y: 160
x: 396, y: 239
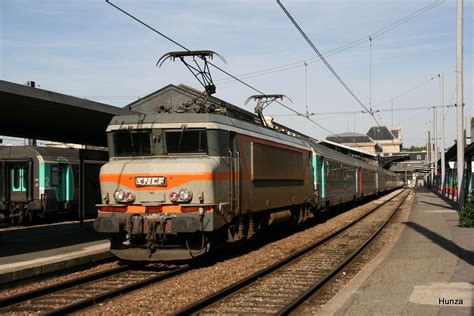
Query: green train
x: 37, y: 181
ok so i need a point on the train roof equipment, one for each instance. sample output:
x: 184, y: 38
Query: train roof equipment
x: 199, y: 66
x: 263, y: 101
x: 181, y: 99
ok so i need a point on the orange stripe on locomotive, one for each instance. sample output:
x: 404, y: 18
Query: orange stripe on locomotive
x: 172, y: 180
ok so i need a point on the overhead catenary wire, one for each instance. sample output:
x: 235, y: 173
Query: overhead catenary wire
x: 215, y: 66
x: 427, y: 107
x: 381, y: 103
x: 413, y: 116
x: 407, y: 91
x: 331, y: 69
x: 432, y: 107
x: 336, y: 75
x: 450, y: 101
x: 370, y: 72
x: 341, y: 48
x: 298, y: 64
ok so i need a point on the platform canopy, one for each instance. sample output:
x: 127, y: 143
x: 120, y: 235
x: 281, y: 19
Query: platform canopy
x: 41, y: 114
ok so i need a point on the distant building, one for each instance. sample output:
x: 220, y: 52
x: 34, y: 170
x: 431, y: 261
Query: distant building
x: 389, y: 140
x: 413, y: 168
x: 359, y: 141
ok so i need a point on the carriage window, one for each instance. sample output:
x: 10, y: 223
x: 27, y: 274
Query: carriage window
x: 55, y: 176
x: 131, y: 143
x: 186, y: 141
x: 76, y: 177
x: 19, y: 179
x: 16, y: 178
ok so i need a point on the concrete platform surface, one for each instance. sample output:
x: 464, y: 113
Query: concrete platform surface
x: 428, y: 270
x: 38, y: 250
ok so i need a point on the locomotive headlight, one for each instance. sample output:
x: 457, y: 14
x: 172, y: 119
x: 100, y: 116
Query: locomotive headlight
x: 185, y: 195
x: 119, y: 195
x: 129, y: 197
x: 174, y: 196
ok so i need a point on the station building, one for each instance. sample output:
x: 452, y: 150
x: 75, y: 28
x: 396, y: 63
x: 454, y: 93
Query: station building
x: 389, y: 140
x: 358, y: 141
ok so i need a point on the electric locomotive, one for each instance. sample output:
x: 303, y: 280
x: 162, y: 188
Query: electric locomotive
x: 177, y: 184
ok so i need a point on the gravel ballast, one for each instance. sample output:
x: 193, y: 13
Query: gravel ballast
x: 173, y: 294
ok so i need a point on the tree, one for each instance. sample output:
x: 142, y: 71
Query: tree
x: 417, y: 148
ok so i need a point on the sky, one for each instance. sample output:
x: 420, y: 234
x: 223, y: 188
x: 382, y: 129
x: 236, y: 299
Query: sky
x: 91, y: 50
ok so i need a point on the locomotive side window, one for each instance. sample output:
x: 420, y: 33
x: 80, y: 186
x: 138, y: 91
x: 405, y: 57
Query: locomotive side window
x: 218, y: 142
x: 131, y: 143
x: 189, y: 141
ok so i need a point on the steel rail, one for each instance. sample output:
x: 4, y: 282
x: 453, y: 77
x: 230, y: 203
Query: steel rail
x: 227, y: 291
x: 304, y: 296
x: 26, y: 296
x: 87, y: 280
x: 109, y: 294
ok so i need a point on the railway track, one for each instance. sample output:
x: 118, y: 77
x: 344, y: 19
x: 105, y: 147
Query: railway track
x: 73, y: 295
x: 284, y: 286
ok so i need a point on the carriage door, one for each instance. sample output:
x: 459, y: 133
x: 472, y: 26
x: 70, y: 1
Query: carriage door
x: 323, y: 177
x: 376, y: 181
x: 18, y: 181
x: 317, y: 179
x: 235, y: 174
x: 3, y: 180
x: 64, y: 187
x: 357, y: 180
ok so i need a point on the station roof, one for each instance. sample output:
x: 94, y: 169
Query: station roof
x: 41, y: 114
x: 350, y: 138
x: 347, y: 149
x: 380, y: 133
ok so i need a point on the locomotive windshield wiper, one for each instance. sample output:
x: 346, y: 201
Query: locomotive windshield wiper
x: 183, y: 127
x: 131, y: 141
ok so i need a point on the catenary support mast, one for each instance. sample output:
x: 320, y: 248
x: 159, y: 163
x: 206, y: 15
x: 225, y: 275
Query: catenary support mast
x: 443, y: 162
x: 459, y: 99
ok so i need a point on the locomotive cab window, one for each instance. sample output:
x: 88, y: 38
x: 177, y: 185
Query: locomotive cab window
x: 131, y: 143
x: 186, y: 141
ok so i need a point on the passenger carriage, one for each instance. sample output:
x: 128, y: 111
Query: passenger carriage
x: 37, y: 181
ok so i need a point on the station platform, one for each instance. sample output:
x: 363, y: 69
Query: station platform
x: 32, y: 251
x: 427, y: 270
